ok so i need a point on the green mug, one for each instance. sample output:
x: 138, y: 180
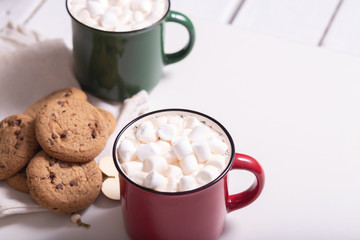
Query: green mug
x: 117, y: 65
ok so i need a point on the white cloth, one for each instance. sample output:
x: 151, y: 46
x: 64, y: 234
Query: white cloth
x: 30, y: 69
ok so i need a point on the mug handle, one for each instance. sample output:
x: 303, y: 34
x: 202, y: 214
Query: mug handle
x: 240, y: 200
x: 185, y: 21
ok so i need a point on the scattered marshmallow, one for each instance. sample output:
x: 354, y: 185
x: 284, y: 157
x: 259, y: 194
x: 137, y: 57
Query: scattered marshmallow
x: 166, y: 132
x: 202, y: 150
x: 126, y: 151
x: 147, y: 150
x: 132, y: 167
x: 176, y: 121
x: 217, y: 146
x: 146, y: 132
x: 159, y: 121
x: 155, y: 180
x: 189, y: 164
x: 187, y: 183
x: 182, y: 147
x: 207, y: 174
x: 200, y: 132
x: 155, y: 163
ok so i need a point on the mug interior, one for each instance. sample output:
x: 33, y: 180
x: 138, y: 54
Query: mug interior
x: 115, y: 32
x: 209, y: 121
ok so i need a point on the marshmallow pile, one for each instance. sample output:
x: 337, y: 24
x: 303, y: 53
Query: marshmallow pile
x: 173, y: 153
x: 118, y: 15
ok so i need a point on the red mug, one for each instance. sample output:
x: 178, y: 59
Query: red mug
x: 197, y: 214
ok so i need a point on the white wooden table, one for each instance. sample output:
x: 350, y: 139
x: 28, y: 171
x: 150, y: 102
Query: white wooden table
x: 283, y: 77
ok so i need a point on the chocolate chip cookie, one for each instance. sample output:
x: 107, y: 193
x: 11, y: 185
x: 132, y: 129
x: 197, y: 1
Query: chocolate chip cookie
x: 70, y: 92
x: 18, y: 144
x: 109, y: 118
x: 18, y: 181
x: 63, y: 187
x: 71, y: 130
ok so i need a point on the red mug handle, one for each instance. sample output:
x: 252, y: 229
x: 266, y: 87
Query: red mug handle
x: 240, y: 200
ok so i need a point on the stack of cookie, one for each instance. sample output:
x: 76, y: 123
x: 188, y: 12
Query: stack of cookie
x: 49, y: 150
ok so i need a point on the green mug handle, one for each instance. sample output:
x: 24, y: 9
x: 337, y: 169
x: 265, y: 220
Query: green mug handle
x: 185, y: 21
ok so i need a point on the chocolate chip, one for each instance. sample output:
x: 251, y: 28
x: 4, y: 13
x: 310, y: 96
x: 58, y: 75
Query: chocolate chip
x: 54, y: 136
x: 68, y: 94
x: 17, y: 132
x: 55, y: 208
x: 21, y: 138
x: 52, y: 162
x: 17, y: 122
x: 93, y: 133
x: 64, y: 134
x: 2, y: 165
x: 51, y: 142
x: 64, y: 111
x: 73, y: 183
x: 63, y: 165
x: 59, y: 186
x: 61, y: 103
x: 97, y: 186
x: 52, y: 175
x: 17, y: 145
x: 53, y: 115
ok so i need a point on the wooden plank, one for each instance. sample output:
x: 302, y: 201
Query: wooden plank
x: 16, y: 11
x: 301, y: 21
x: 344, y: 33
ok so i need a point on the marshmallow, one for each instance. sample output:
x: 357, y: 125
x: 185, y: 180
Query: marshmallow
x: 217, y: 161
x: 182, y: 147
x: 202, y: 150
x: 166, y: 132
x: 217, y: 146
x: 108, y: 20
x: 132, y: 167
x: 147, y: 150
x: 83, y: 14
x: 159, y: 6
x: 189, y: 164
x: 173, y: 171
x: 126, y: 150
x: 155, y: 163
x: 176, y: 121
x: 154, y: 16
x: 118, y: 2
x: 92, y: 22
x: 146, y: 133
x: 138, y: 177
x: 207, y: 174
x: 200, y: 132
x: 125, y: 17
x: 159, y: 121
x: 191, y: 122
x: 96, y: 8
x: 170, y: 157
x: 164, y: 146
x: 141, y: 5
x: 114, y: 10
x: 138, y: 16
x: 155, y: 180
x: 187, y: 183
x: 172, y: 185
